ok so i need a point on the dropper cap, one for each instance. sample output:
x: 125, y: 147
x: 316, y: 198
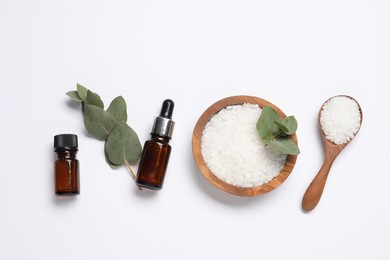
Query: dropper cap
x: 167, y: 109
x: 163, y: 124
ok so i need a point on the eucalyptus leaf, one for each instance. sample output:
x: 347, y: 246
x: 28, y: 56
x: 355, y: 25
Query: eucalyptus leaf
x: 265, y: 125
x: 82, y: 91
x: 282, y: 127
x: 290, y: 125
x: 276, y: 132
x: 114, y: 166
x: 123, y: 145
x: 98, y: 123
x: 74, y: 96
x: 94, y: 99
x: 283, y: 145
x: 118, y: 109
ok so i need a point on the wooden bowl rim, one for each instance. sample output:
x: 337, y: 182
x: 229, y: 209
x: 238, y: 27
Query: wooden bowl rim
x: 198, y: 157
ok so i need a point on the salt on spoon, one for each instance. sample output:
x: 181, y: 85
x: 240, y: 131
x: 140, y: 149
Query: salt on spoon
x: 340, y: 119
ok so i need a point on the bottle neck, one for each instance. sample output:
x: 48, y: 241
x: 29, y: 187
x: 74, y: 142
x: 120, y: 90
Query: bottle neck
x: 162, y: 126
x: 66, y: 154
x: 160, y: 138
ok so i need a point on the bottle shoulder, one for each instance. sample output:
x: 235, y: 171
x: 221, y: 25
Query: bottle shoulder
x: 154, y: 143
x: 160, y: 139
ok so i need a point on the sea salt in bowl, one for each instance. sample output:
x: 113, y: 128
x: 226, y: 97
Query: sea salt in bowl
x: 238, y: 189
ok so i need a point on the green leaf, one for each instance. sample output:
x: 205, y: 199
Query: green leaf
x: 123, y: 145
x: 283, y: 145
x: 74, y: 96
x: 82, y: 91
x: 94, y: 99
x: 265, y: 125
x: 98, y: 123
x: 118, y: 109
x: 290, y: 125
x: 114, y: 166
x: 276, y: 132
x: 282, y: 127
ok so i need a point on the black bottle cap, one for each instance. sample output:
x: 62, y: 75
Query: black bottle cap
x: 167, y: 109
x: 65, y: 141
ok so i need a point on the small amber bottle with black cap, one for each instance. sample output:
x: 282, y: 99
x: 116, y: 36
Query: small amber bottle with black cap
x: 156, y: 152
x: 66, y: 165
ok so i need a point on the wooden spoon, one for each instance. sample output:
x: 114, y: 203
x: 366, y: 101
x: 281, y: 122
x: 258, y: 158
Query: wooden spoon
x: 314, y: 191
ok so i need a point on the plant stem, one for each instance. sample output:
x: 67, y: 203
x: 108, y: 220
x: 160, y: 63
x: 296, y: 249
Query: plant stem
x: 131, y: 171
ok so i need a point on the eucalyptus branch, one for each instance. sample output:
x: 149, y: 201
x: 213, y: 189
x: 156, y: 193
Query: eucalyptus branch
x: 122, y: 145
x: 276, y: 132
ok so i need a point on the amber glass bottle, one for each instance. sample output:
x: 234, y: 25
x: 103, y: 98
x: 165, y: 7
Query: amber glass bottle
x: 156, y: 152
x: 66, y: 165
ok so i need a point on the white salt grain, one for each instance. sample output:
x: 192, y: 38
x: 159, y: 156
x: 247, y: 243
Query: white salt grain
x: 340, y: 119
x: 233, y: 150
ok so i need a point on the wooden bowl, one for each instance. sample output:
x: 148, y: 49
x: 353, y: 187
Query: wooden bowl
x: 196, y: 149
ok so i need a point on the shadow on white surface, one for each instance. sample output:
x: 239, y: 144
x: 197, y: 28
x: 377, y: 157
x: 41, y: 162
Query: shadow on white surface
x: 145, y: 193
x: 64, y: 200
x: 73, y: 105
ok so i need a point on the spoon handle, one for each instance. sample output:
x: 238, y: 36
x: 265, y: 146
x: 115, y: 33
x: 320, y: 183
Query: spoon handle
x: 314, y: 191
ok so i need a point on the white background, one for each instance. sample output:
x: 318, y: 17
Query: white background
x: 295, y: 54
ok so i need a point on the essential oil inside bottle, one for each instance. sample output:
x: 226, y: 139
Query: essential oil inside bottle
x: 156, y: 152
x: 66, y: 165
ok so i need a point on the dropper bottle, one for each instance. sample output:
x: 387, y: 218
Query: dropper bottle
x: 155, y: 154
